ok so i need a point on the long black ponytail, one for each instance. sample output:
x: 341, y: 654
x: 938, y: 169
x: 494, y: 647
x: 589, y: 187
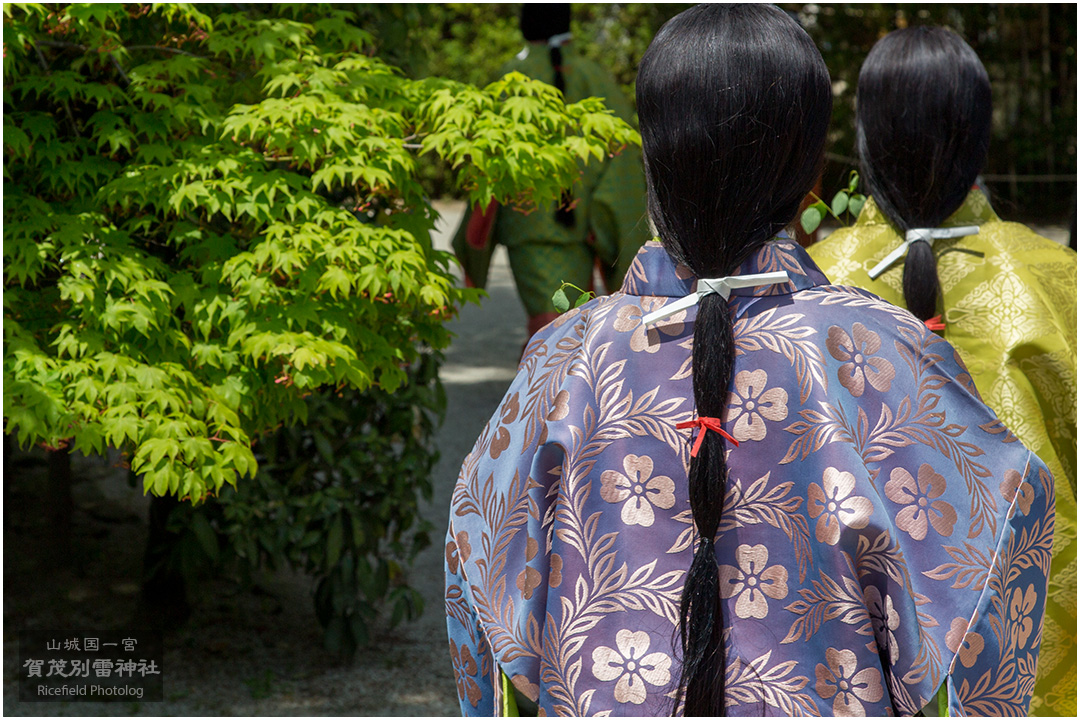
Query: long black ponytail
x: 922, y: 132
x: 564, y: 214
x: 543, y: 21
x: 734, y: 104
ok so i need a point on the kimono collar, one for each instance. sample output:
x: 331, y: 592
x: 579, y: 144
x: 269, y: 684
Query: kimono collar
x: 976, y: 210
x: 653, y: 272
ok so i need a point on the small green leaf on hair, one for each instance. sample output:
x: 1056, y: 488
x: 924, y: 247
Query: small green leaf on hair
x: 560, y: 301
x: 855, y: 205
x: 839, y: 203
x: 811, y: 219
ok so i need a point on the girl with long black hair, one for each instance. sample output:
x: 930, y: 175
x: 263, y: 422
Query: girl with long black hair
x: 731, y: 488
x: 1005, y: 297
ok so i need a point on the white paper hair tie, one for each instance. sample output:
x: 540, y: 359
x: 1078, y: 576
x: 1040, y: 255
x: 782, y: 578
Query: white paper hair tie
x: 926, y: 235
x: 559, y: 40
x: 721, y: 286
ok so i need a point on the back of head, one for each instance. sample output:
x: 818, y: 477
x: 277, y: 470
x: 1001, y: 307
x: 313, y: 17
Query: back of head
x: 540, y: 21
x: 734, y: 103
x: 922, y: 131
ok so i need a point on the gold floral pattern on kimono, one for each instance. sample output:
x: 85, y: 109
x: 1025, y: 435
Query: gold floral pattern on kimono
x: 1009, y: 306
x: 883, y: 536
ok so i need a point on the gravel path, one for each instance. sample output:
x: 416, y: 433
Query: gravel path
x: 259, y: 653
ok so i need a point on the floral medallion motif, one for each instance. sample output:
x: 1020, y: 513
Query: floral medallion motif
x: 840, y: 677
x: 1013, y: 484
x: 628, y: 319
x: 920, y: 508
x: 966, y: 645
x: 751, y: 404
x: 884, y: 619
x: 638, y: 489
x: 834, y: 504
x: 860, y: 366
x: 752, y: 581
x: 529, y: 578
x: 631, y: 665
x: 457, y: 550
x: 465, y: 671
x: 1020, y: 607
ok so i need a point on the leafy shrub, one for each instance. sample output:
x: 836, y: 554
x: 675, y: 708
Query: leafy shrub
x: 208, y: 218
x: 336, y: 498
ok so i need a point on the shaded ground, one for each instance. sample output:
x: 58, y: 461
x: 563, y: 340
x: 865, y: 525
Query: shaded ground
x: 258, y: 652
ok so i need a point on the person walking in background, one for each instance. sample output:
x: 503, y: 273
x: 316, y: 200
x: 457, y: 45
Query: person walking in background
x: 1002, y: 295
x: 732, y: 488
x: 600, y: 223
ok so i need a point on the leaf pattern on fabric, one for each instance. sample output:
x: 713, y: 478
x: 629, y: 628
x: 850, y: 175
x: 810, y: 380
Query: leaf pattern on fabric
x: 857, y: 527
x: 775, y: 686
x: 784, y: 335
x: 771, y: 504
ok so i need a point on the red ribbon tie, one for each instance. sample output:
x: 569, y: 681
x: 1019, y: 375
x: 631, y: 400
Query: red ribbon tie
x: 934, y: 323
x: 705, y: 423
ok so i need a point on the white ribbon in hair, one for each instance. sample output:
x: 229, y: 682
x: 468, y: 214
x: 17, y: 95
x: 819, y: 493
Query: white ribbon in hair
x: 926, y: 235
x: 721, y: 286
x: 559, y: 40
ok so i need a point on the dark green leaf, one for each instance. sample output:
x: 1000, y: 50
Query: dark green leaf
x: 334, y: 540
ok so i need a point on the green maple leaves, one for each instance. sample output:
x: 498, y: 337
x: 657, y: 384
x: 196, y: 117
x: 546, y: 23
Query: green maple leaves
x: 207, y: 218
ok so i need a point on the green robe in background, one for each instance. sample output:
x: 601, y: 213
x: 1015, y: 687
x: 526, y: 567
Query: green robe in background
x: 610, y: 219
x: 1009, y: 307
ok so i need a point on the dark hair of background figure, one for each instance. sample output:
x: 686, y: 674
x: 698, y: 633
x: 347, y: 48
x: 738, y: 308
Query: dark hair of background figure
x: 540, y: 21
x: 922, y: 133
x: 734, y: 103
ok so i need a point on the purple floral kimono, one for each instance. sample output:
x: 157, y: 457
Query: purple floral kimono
x: 883, y: 532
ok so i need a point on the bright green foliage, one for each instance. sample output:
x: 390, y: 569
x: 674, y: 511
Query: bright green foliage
x: 846, y: 200
x: 207, y: 218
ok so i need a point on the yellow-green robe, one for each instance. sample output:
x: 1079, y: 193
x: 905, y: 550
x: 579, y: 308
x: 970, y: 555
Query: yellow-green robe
x: 1009, y: 307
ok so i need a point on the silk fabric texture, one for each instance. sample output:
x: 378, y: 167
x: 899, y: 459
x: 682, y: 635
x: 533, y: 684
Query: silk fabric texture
x: 883, y: 532
x: 1009, y: 299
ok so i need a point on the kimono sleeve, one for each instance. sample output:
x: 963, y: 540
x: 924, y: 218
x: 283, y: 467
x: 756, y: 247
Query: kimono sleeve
x: 997, y: 649
x: 497, y: 563
x: 470, y: 654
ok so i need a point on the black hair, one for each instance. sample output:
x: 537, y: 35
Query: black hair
x: 734, y: 103
x: 540, y: 21
x: 922, y: 132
